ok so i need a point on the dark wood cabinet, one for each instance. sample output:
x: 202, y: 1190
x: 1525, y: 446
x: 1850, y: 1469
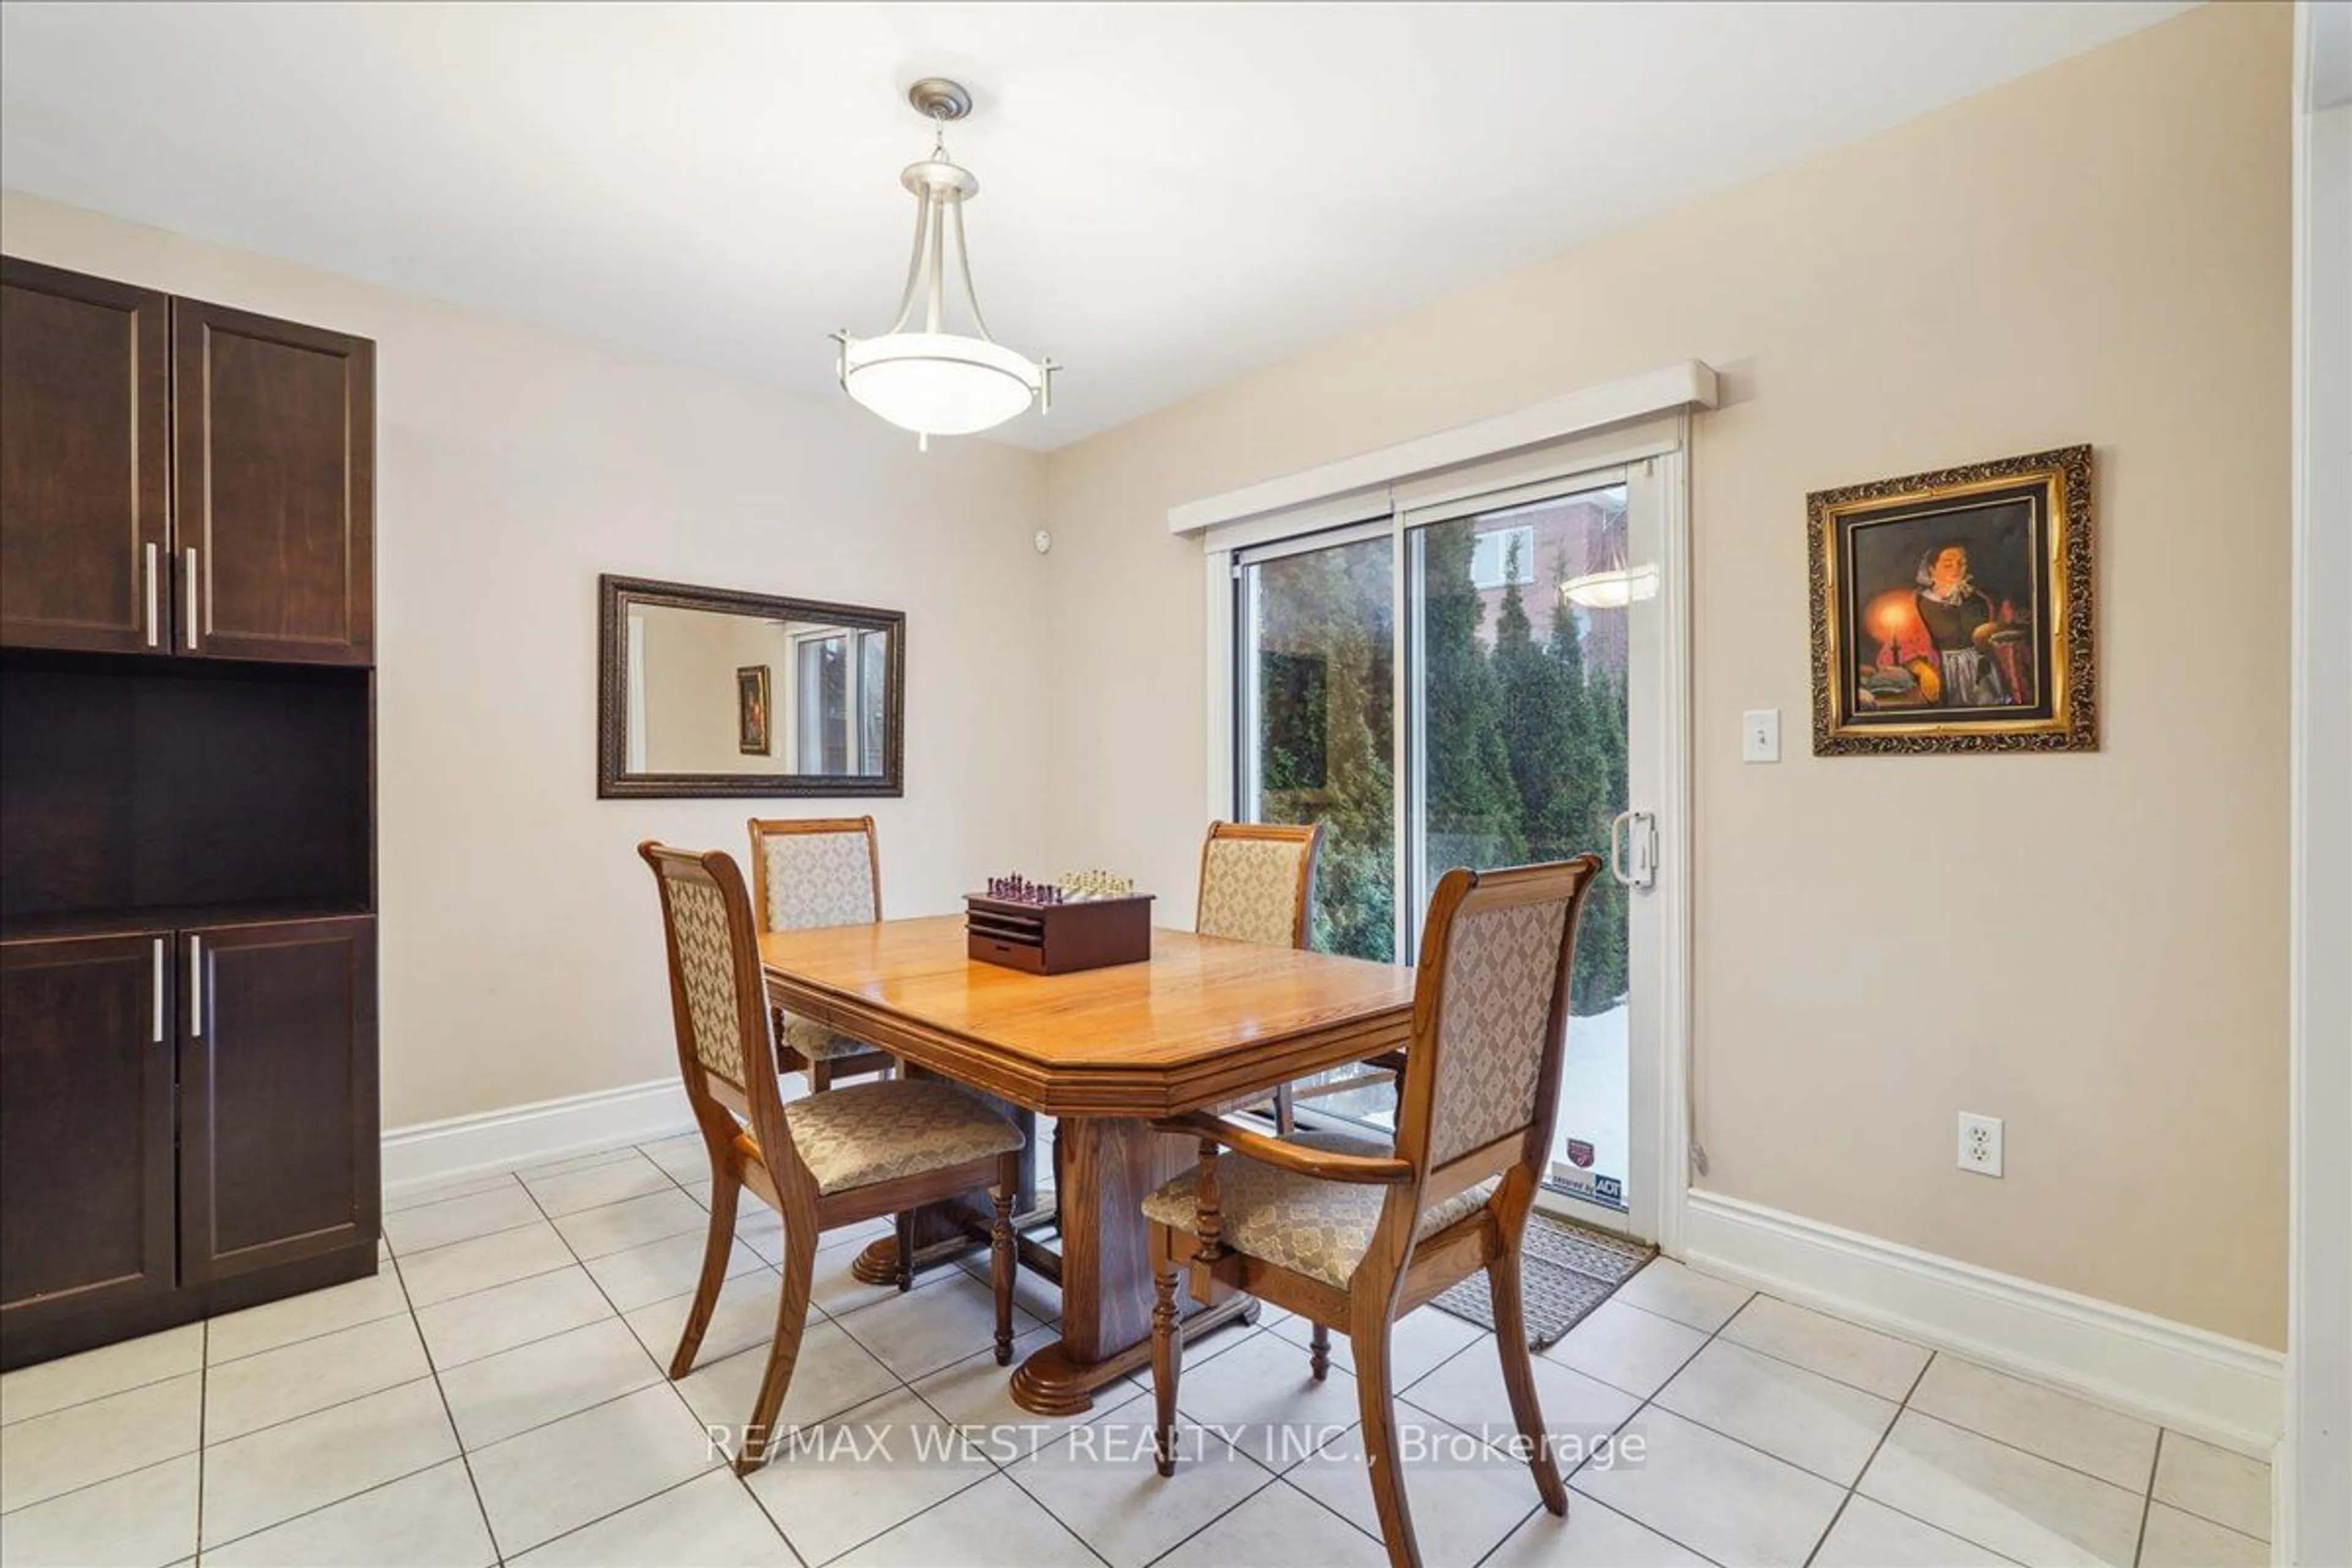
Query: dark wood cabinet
x: 86, y: 1087
x: 182, y: 478
x: 273, y: 434
x: 188, y: 1101
x: 85, y: 411
x: 277, y: 1134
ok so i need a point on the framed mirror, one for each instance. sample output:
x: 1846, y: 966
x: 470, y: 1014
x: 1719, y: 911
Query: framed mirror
x: 708, y: 692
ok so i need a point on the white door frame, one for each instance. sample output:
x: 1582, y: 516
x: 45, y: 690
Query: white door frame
x: 1658, y: 1065
x: 2312, y: 1517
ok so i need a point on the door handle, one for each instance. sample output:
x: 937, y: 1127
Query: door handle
x: 1634, y: 848
x: 196, y: 988
x: 192, y: 596
x: 155, y: 593
x: 159, y: 976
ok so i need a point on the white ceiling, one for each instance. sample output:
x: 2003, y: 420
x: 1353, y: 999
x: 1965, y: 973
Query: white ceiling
x: 1171, y: 194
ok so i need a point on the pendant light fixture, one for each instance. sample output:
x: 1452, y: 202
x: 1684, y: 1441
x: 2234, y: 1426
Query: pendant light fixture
x: 921, y: 374
x: 1613, y: 589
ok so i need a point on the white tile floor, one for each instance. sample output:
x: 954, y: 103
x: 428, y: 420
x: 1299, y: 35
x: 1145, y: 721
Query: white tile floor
x: 496, y: 1394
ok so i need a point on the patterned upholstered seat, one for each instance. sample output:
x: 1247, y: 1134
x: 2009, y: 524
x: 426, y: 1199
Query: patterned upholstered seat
x: 870, y: 1133
x: 1319, y: 1228
x: 817, y: 1043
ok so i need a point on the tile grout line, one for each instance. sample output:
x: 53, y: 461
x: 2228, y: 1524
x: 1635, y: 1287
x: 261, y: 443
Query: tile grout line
x: 741, y: 1482
x: 1784, y: 1361
x: 203, y: 1411
x: 374, y: 1486
x: 1272, y: 1477
x: 1281, y: 1477
x: 1905, y: 1404
x: 1254, y: 1493
x: 661, y: 1371
x: 2148, y: 1499
x: 1718, y: 1333
x: 1853, y: 1488
x: 433, y: 1369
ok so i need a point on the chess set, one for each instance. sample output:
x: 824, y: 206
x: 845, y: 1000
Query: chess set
x: 1084, y: 920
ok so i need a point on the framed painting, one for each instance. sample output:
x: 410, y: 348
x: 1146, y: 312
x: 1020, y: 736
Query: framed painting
x: 1951, y: 611
x: 752, y: 710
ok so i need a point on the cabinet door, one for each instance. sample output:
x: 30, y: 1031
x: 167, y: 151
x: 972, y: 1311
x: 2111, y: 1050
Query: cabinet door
x: 278, y: 1120
x: 274, y: 433
x: 84, y: 410
x: 86, y: 1161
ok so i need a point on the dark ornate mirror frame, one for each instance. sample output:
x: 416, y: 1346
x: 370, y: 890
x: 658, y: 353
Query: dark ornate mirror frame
x: 613, y: 782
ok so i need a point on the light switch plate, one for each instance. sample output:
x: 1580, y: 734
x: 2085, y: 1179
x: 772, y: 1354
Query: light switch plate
x: 1759, y: 735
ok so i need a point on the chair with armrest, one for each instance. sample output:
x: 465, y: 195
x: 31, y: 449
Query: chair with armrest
x: 1354, y: 1239
x: 818, y: 872
x: 821, y: 1161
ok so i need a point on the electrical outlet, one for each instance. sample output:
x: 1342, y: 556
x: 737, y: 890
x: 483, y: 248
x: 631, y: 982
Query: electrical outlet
x: 1980, y: 1143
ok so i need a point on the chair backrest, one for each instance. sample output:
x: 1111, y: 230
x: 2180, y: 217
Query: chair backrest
x: 726, y: 1050
x: 1257, y: 882
x: 1490, y: 1022
x: 823, y: 871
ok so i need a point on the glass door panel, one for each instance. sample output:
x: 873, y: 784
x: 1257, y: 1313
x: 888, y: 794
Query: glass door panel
x: 1318, y: 689
x: 1518, y: 676
x: 1316, y: 674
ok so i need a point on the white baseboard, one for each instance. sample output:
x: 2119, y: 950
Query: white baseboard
x: 2211, y: 1386
x: 433, y: 1151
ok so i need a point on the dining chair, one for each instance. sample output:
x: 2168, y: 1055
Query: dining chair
x: 818, y: 872
x: 821, y: 1162
x: 1352, y: 1236
x: 1257, y: 884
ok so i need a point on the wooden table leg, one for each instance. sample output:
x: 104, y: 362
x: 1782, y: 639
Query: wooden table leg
x: 1110, y: 1165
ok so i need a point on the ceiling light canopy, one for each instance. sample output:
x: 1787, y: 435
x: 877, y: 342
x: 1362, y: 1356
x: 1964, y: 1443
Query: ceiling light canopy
x: 921, y: 375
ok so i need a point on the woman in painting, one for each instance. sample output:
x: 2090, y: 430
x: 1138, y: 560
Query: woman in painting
x: 1960, y: 626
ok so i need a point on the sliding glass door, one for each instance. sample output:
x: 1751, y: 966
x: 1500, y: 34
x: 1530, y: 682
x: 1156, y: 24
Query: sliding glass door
x: 1522, y: 651
x: 1477, y: 683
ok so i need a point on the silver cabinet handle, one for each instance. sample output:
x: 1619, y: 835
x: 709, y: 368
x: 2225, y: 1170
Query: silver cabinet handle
x: 192, y: 595
x: 154, y: 593
x: 159, y: 975
x: 196, y: 988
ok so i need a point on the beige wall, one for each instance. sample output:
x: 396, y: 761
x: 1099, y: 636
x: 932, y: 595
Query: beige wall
x: 693, y: 717
x: 521, y: 938
x: 2092, y: 947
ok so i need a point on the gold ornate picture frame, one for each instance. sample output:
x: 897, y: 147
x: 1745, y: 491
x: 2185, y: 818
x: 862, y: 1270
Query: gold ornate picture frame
x: 1951, y: 611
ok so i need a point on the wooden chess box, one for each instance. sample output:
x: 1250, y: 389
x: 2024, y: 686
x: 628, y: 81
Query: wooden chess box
x: 1058, y: 939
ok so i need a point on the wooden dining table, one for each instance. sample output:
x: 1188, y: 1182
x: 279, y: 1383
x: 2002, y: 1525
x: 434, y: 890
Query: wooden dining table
x: 1206, y: 1023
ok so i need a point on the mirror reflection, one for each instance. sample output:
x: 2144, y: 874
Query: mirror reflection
x: 716, y: 693
x: 732, y: 693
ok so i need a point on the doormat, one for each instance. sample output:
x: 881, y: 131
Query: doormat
x: 1565, y: 1271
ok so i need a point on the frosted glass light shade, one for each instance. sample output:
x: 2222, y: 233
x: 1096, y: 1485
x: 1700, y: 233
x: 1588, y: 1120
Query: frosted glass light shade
x: 938, y: 384
x: 1611, y: 590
